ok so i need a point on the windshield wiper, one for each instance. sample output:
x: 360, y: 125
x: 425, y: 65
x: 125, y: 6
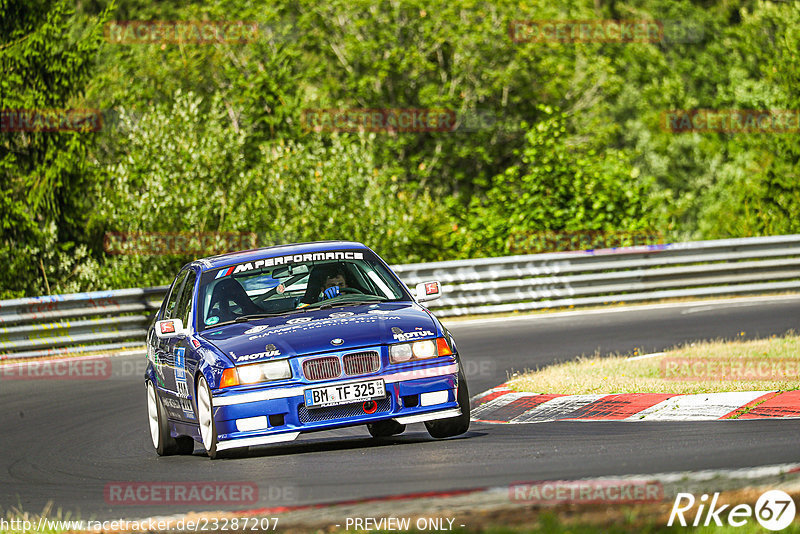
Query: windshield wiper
x: 245, y: 318
x: 210, y: 326
x: 328, y: 305
x: 323, y: 306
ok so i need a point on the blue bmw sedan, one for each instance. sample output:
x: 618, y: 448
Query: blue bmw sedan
x: 257, y: 347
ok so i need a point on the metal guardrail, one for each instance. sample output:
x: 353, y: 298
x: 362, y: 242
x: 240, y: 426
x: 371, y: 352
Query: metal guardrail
x: 76, y: 323
x: 630, y: 274
x: 110, y: 320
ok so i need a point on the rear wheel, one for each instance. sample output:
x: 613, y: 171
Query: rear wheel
x: 163, y: 442
x: 454, y: 426
x: 385, y: 429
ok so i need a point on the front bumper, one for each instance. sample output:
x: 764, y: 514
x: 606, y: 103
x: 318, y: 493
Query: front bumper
x: 271, y: 415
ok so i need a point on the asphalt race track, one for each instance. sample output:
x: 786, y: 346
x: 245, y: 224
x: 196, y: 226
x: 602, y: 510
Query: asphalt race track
x: 63, y: 441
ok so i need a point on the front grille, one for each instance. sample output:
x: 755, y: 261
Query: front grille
x: 360, y: 363
x: 338, y: 412
x: 322, y: 368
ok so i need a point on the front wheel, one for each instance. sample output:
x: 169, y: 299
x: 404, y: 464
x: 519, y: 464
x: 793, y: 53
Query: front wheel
x: 454, y: 426
x: 205, y: 417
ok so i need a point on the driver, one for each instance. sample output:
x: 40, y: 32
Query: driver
x: 325, y: 281
x: 333, y: 283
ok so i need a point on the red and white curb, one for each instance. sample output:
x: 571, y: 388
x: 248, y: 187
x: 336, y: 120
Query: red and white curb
x: 503, y: 405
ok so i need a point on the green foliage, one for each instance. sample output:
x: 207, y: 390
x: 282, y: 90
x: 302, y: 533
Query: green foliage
x: 557, y: 186
x: 183, y: 163
x: 551, y: 136
x: 46, y: 54
x: 757, y: 192
x: 451, y: 55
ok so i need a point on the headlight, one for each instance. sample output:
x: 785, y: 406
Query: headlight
x: 401, y: 352
x: 419, y: 350
x: 264, y: 372
x: 424, y: 349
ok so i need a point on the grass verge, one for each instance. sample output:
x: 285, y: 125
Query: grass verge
x: 578, y: 519
x: 707, y: 367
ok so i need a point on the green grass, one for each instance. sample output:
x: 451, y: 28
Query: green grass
x: 723, y: 366
x: 46, y: 520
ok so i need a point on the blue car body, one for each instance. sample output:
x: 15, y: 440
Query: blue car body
x: 353, y: 338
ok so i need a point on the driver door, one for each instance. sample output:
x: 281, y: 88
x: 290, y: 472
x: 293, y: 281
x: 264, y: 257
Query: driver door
x: 182, y: 355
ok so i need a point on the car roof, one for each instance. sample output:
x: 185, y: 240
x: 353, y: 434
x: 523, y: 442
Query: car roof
x: 233, y: 258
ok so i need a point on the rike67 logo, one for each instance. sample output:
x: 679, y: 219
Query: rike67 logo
x: 774, y: 510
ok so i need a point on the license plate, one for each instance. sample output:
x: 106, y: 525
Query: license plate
x: 344, y: 393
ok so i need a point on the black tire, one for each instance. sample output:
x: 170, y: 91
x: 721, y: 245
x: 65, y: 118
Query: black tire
x: 454, y: 426
x: 185, y: 445
x: 164, y: 444
x: 205, y: 418
x: 385, y: 429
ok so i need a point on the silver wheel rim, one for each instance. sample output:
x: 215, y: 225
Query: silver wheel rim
x: 152, y: 414
x: 204, y: 413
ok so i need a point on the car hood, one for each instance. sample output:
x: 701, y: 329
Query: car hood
x: 316, y: 331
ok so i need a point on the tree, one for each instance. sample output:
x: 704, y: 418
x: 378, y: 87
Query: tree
x: 46, y: 56
x: 184, y: 163
x: 558, y: 185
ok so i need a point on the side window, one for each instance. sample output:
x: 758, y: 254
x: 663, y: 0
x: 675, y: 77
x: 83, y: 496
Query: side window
x: 185, y: 299
x: 172, y: 299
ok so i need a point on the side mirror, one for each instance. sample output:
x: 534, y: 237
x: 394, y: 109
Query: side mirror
x: 169, y: 328
x: 427, y: 291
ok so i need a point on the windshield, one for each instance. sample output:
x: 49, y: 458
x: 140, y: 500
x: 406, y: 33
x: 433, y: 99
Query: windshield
x: 288, y: 284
